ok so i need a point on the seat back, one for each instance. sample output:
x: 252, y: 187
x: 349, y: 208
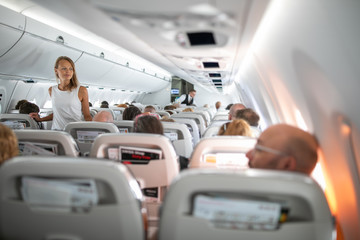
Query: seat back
x: 221, y: 117
x: 205, y: 115
x: 151, y: 158
x: 180, y: 136
x: 222, y: 152
x: 84, y: 133
x: 197, y: 116
x: 152, y: 172
x: 213, y: 129
x: 125, y: 126
x: 46, y: 142
x: 163, y: 114
x: 253, y: 204
x: 43, y: 113
x: 18, y: 121
x: 118, y: 111
x: 68, y: 198
x: 192, y: 126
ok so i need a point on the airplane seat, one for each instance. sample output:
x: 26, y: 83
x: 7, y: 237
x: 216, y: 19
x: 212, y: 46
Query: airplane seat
x: 13, y: 111
x: 69, y: 198
x: 125, y: 126
x: 222, y: 152
x: 150, y: 157
x: 192, y: 126
x: 205, y: 115
x: 43, y: 113
x: 256, y: 131
x: 251, y: 204
x: 85, y: 132
x: 18, y: 121
x: 199, y: 119
x: 180, y: 136
x: 93, y: 112
x: 221, y: 117
x: 46, y: 142
x: 118, y: 111
x: 213, y: 129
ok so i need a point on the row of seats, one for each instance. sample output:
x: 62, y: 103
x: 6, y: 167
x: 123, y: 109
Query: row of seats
x: 71, y: 198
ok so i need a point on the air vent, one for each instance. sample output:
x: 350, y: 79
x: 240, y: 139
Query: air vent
x: 201, y: 38
x: 214, y: 75
x: 211, y: 64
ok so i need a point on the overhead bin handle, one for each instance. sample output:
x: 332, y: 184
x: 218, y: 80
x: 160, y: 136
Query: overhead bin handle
x: 60, y: 39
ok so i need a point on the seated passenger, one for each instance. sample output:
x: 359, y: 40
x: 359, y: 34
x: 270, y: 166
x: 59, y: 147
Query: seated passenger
x: 8, y: 144
x: 149, y: 109
x: 29, y: 107
x: 284, y: 147
x: 167, y: 119
x: 217, y: 105
x: 170, y: 107
x: 248, y: 115
x: 104, y: 104
x: 238, y: 127
x: 234, y: 108
x: 103, y: 116
x: 188, y: 110
x: 130, y: 113
x: 19, y: 103
x: 146, y: 123
x: 122, y: 105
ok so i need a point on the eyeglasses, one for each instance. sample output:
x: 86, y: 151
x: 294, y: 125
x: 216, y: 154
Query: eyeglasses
x: 269, y: 150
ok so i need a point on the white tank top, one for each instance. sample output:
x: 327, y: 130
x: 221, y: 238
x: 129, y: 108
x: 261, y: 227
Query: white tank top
x: 66, y: 107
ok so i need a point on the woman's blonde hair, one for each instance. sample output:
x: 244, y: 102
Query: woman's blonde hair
x: 237, y: 127
x: 188, y: 110
x: 8, y: 144
x: 74, y: 82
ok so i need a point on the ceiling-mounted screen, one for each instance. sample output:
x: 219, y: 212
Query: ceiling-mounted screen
x: 214, y: 75
x: 201, y: 38
x: 211, y: 64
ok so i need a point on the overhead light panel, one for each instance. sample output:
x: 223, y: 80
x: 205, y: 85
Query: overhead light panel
x: 214, y: 75
x: 211, y: 64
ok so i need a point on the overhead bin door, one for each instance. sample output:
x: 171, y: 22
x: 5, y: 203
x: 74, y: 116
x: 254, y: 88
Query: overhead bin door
x: 36, y: 52
x: 12, y: 27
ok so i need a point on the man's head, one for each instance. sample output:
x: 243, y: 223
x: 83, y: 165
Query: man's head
x: 192, y: 93
x: 217, y: 104
x: 248, y: 115
x: 28, y: 107
x: 284, y: 147
x: 234, y: 108
x: 103, y: 116
x: 150, y: 109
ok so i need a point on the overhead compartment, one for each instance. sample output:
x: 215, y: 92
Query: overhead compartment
x: 12, y: 26
x: 32, y: 52
x: 129, y: 79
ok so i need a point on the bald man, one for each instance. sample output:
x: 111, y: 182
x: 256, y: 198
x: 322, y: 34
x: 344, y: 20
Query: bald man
x: 284, y: 147
x: 103, y: 116
x: 234, y: 108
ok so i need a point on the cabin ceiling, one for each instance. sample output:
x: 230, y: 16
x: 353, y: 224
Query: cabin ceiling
x: 160, y: 31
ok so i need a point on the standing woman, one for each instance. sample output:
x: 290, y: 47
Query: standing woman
x: 69, y: 99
